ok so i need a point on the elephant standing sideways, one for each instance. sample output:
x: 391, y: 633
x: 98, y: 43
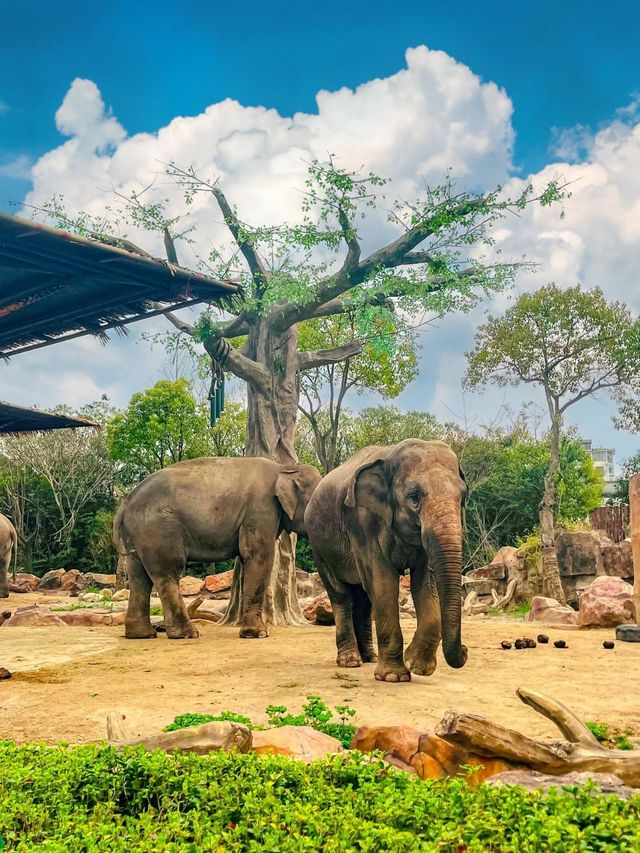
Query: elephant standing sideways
x: 385, y: 510
x: 8, y: 545
x: 207, y: 509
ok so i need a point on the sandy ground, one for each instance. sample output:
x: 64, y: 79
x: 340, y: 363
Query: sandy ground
x: 66, y: 680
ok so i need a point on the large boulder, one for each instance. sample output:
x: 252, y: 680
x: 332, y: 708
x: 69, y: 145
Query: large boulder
x: 73, y: 581
x: 550, y: 611
x: 34, y: 617
x: 100, y: 580
x: 23, y: 582
x: 190, y: 585
x: 423, y: 753
x: 607, y: 603
x: 617, y: 559
x: 309, y: 584
x: 52, y: 579
x: 219, y: 583
x: 319, y: 611
x: 301, y: 742
x: 578, y: 553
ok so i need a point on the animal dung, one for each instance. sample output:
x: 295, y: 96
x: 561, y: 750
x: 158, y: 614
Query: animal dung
x: 529, y: 643
x: 609, y: 644
x: 505, y: 644
x: 519, y: 644
x: 4, y: 674
x: 560, y: 644
x: 542, y: 638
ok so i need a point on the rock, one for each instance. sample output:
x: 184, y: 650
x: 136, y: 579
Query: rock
x: 73, y: 581
x: 482, y: 586
x: 219, y: 583
x: 301, y: 742
x: 100, y: 580
x: 549, y: 610
x: 423, y: 753
x: 319, y: 611
x: 534, y: 781
x: 405, y: 582
x: 628, y: 633
x: 309, y: 586
x: 23, y: 582
x: 34, y: 617
x: 606, y: 603
x: 4, y: 674
x: 91, y: 618
x: 91, y: 597
x: 578, y: 553
x: 190, y: 585
x: 617, y: 559
x: 52, y: 579
x: 121, y: 595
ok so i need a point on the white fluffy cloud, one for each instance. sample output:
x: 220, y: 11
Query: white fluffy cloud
x: 433, y: 115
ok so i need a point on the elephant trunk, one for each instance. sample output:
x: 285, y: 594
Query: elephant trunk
x: 442, y: 539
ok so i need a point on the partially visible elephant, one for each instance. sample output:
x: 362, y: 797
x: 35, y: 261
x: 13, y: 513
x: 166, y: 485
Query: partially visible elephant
x: 8, y: 546
x: 208, y: 509
x: 385, y: 510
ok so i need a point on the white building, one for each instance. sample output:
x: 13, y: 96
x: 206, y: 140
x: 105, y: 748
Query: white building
x: 603, y: 459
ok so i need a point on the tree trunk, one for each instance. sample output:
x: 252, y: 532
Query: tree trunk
x: 551, y: 583
x: 271, y: 430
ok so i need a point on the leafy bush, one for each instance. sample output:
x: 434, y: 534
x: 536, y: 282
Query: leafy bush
x: 315, y: 714
x: 95, y: 798
x: 611, y: 738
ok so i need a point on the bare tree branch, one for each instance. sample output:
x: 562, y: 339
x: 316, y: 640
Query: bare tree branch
x: 321, y: 357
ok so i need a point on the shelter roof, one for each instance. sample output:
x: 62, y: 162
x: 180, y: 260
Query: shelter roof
x: 55, y: 286
x: 22, y: 419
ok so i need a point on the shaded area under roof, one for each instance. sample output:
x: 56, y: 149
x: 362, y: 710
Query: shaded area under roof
x: 55, y: 286
x: 22, y: 419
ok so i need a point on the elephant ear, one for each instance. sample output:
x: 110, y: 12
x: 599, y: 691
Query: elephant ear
x: 287, y: 491
x: 368, y: 489
x: 465, y: 494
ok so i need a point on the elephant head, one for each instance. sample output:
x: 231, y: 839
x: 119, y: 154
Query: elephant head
x: 417, y: 490
x: 294, y: 486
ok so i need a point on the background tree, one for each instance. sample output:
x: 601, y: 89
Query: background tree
x: 573, y: 344
x: 323, y: 389
x: 315, y: 269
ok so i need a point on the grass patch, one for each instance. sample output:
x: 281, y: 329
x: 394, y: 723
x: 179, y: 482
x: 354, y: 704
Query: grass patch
x: 611, y: 738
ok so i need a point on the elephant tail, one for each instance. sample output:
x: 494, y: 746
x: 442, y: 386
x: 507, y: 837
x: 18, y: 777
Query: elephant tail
x: 119, y: 535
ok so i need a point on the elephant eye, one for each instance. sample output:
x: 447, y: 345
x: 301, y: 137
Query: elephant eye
x: 414, y: 496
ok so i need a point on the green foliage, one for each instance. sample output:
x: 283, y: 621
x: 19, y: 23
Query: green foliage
x: 160, y: 426
x: 183, y: 721
x: 315, y: 713
x: 95, y: 798
x: 610, y: 738
x: 389, y: 425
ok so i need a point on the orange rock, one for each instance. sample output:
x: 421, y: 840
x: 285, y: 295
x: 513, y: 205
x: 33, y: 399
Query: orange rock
x: 319, y: 611
x: 218, y: 583
x: 301, y: 742
x: 190, y: 585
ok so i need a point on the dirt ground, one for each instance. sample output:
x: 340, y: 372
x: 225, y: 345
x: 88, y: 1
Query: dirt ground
x: 66, y: 680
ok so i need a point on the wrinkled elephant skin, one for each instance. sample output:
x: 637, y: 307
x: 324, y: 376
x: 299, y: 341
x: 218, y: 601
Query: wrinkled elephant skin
x: 385, y: 510
x: 208, y: 509
x: 8, y: 544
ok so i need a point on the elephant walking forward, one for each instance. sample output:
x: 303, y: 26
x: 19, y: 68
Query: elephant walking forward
x: 385, y: 510
x: 207, y: 509
x: 8, y: 546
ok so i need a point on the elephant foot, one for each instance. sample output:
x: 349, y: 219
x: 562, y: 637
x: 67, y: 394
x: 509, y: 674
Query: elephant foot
x: 419, y: 662
x: 4, y: 593
x: 182, y: 632
x: 369, y: 655
x: 349, y: 658
x: 139, y: 630
x: 251, y: 633
x: 392, y: 672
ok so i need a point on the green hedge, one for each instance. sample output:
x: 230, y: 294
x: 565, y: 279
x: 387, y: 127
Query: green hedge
x: 93, y: 798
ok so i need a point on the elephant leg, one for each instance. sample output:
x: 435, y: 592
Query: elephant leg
x: 165, y: 570
x: 420, y: 655
x: 137, y: 623
x: 363, y: 624
x: 381, y: 583
x: 257, y: 553
x: 342, y: 603
x: 5, y: 562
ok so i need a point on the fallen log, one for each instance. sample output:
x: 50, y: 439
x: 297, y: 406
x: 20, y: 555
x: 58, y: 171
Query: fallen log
x: 580, y: 752
x: 200, y: 739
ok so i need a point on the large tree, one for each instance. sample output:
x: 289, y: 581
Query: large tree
x: 573, y: 344
x: 316, y: 268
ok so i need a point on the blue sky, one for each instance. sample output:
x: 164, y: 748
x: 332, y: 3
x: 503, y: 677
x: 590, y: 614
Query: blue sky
x: 568, y: 90
x: 562, y: 63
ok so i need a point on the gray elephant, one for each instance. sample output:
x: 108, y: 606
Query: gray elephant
x: 207, y: 509
x: 8, y: 545
x: 385, y: 510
